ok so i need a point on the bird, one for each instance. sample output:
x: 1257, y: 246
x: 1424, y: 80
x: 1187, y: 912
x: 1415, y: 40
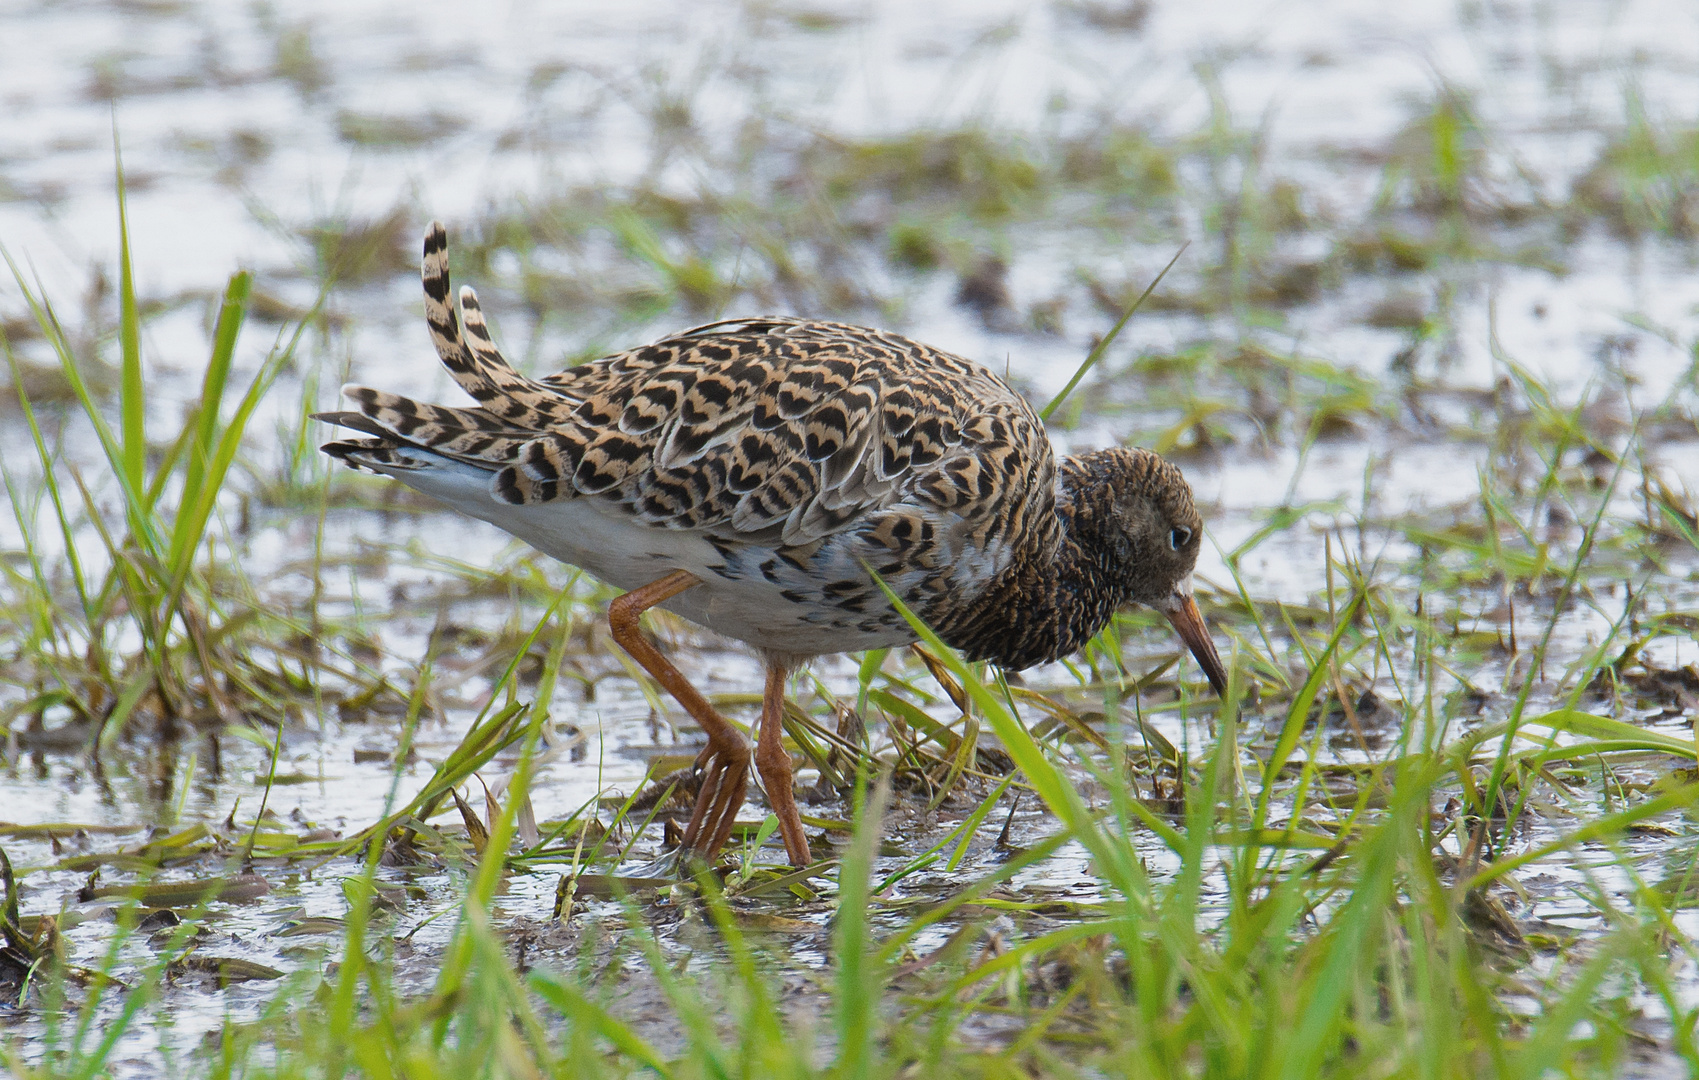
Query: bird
x: 768, y: 478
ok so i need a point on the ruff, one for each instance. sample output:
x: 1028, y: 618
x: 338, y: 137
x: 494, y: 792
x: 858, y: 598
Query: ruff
x: 748, y: 473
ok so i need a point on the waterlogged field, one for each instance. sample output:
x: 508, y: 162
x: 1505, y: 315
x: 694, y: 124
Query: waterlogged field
x: 305, y: 777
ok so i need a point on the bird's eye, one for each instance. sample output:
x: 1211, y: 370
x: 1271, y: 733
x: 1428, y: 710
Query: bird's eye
x: 1179, y: 538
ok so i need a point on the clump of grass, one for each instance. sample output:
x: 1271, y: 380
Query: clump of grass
x: 351, y: 252
x: 297, y: 57
x: 1645, y: 179
x: 150, y: 583
x: 395, y: 132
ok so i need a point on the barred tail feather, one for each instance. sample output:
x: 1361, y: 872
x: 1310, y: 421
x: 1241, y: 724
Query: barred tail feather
x: 477, y: 365
x: 469, y: 435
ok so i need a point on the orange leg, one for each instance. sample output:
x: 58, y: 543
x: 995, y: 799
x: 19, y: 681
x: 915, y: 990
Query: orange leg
x: 724, y: 762
x: 775, y: 766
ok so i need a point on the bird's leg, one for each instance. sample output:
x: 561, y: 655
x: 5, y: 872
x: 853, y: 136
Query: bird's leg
x: 724, y: 762
x: 774, y: 765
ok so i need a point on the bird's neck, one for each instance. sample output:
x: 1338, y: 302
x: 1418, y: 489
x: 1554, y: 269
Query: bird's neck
x: 1059, y: 592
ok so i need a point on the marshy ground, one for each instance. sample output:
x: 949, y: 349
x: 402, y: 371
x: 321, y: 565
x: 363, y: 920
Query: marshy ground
x: 1429, y: 357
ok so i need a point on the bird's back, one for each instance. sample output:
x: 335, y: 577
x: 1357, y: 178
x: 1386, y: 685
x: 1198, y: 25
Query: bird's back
x: 799, y: 452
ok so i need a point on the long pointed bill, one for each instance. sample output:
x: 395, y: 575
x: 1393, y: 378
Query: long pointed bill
x: 1182, y: 611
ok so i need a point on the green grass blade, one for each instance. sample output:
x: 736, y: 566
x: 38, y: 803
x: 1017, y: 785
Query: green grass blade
x: 1597, y: 829
x: 1102, y: 347
x: 205, y: 426
x: 857, y: 982
x: 1618, y: 735
x: 50, y: 481
x: 208, y: 464
x: 1298, y: 714
x: 1315, y: 1029
x: 571, y: 1003
x: 1116, y: 862
x: 131, y: 394
x: 134, y: 495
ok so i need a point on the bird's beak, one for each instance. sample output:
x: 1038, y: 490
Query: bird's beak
x: 1182, y: 611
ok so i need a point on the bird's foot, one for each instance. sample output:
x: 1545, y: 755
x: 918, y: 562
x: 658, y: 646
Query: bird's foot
x: 724, y: 768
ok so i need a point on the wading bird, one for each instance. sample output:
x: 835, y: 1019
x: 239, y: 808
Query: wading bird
x: 754, y: 475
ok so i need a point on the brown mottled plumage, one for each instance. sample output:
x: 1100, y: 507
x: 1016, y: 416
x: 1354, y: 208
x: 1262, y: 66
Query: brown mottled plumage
x: 748, y: 473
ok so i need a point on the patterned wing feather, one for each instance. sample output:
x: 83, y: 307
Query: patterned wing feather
x: 783, y: 429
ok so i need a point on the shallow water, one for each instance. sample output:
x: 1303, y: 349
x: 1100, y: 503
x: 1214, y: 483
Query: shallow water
x: 236, y: 127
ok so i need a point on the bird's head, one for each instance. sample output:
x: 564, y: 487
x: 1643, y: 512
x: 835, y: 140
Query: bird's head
x: 1155, y: 535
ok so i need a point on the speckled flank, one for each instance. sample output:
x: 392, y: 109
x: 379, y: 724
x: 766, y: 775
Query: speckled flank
x: 780, y: 459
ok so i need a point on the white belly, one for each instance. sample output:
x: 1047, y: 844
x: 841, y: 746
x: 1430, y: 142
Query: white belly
x: 733, y: 599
